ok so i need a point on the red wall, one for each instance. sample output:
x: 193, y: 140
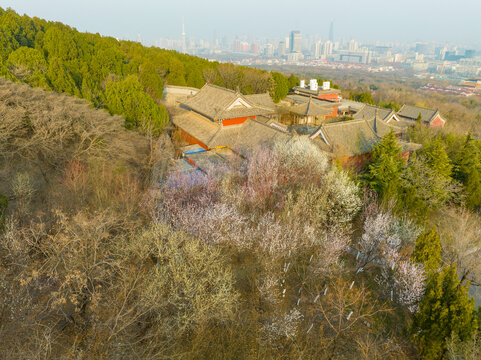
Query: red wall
x: 235, y: 121
x: 191, y: 140
x: 333, y: 114
x: 331, y: 97
x: 437, y: 122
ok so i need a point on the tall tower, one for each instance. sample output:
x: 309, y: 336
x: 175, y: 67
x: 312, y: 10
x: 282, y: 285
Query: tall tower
x: 331, y: 32
x: 295, y: 41
x: 184, y: 44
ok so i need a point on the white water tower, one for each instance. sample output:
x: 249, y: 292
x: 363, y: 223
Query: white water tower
x: 313, y: 85
x: 303, y: 83
x: 326, y: 85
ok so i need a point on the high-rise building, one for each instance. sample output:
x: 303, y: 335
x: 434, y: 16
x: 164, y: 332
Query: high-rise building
x: 469, y: 54
x: 295, y: 41
x: 237, y: 45
x: 331, y: 32
x: 353, y: 45
x: 327, y: 48
x: 421, y: 48
x: 281, y: 50
x: 318, y: 50
x: 184, y: 43
x: 440, y: 52
x: 269, y: 50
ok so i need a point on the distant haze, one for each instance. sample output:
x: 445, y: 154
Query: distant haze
x: 364, y: 20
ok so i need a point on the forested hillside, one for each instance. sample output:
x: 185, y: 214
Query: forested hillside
x: 124, y: 76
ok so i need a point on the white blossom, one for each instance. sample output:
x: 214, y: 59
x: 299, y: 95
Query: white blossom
x: 285, y: 325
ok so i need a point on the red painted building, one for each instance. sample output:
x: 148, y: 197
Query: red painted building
x: 351, y: 142
x: 412, y: 114
x: 211, y: 118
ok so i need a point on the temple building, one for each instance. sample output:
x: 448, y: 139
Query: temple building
x: 352, y: 141
x: 312, y: 112
x: 409, y: 115
x: 217, y: 117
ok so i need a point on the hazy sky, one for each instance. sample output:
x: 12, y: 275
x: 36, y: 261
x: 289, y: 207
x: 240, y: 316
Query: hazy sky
x: 451, y: 21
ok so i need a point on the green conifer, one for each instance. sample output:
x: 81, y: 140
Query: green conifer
x: 446, y: 310
x: 428, y: 250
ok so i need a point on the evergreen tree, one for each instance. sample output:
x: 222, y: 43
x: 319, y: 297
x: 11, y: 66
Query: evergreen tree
x: 445, y: 311
x: 437, y: 158
x: 428, y: 250
x: 467, y: 170
x: 281, y: 87
x: 126, y: 97
x: 384, y: 171
x: 426, y: 184
x: 473, y: 189
x: 149, y: 76
x: 60, y: 78
x: 419, y: 119
x: 28, y: 65
x: 293, y: 81
x: 364, y: 97
x: 467, y: 159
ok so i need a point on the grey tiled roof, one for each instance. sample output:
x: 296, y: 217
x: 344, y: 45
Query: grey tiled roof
x: 412, y: 112
x: 311, y: 108
x: 369, y: 112
x: 352, y: 137
x: 197, y: 126
x: 214, y: 102
x: 247, y: 134
x: 263, y: 101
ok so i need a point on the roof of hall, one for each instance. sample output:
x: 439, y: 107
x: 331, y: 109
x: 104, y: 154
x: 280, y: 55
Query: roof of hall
x: 412, y: 112
x: 311, y: 108
x: 250, y: 133
x: 369, y: 112
x: 219, y: 103
x: 352, y: 137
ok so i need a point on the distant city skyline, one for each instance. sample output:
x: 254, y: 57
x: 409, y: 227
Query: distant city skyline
x: 369, y: 20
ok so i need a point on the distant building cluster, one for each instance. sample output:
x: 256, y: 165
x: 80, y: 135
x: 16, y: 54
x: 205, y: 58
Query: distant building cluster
x: 298, y: 48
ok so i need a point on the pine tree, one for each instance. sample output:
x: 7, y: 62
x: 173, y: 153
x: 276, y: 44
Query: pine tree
x: 127, y: 97
x: 419, y: 119
x: 465, y: 160
x: 473, y: 189
x: 293, y: 81
x: 446, y: 310
x: 467, y: 170
x: 437, y: 158
x: 384, y: 171
x: 428, y: 250
x: 281, y: 87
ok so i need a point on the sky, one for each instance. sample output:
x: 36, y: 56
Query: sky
x: 444, y: 21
